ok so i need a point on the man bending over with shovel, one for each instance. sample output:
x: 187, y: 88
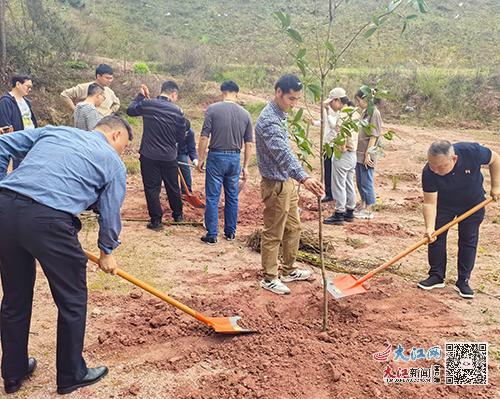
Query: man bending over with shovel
x: 279, y: 168
x: 453, y: 183
x: 64, y: 171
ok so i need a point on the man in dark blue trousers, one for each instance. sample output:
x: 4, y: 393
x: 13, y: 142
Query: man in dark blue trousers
x: 453, y: 183
x: 164, y: 127
x: 65, y: 171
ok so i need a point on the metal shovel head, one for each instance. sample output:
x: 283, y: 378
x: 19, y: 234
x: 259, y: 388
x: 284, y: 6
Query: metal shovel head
x: 345, y: 286
x: 194, y: 200
x: 228, y: 325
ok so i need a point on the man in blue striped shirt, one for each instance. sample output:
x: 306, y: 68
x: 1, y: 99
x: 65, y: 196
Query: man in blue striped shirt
x: 279, y: 167
x: 65, y: 171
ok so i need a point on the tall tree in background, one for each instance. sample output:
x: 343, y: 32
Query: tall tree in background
x: 3, y: 41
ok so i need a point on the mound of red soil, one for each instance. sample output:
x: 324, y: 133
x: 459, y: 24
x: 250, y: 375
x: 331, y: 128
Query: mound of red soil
x: 379, y: 229
x: 289, y: 356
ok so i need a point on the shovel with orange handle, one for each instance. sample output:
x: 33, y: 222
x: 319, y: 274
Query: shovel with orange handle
x: 223, y: 325
x: 192, y: 199
x: 350, y: 285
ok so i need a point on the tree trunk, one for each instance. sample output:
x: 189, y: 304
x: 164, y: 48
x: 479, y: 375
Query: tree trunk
x: 3, y: 40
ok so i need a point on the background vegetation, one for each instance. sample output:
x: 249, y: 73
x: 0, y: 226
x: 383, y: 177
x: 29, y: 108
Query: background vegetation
x: 444, y: 69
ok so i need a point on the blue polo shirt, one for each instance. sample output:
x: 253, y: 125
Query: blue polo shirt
x: 462, y: 188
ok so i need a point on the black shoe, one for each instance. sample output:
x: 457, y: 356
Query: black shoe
x: 337, y: 218
x: 349, y: 215
x: 326, y: 198
x: 155, y: 225
x: 431, y: 282
x: 93, y: 375
x: 464, y: 289
x: 209, y: 240
x: 230, y: 236
x: 11, y: 385
x: 178, y: 219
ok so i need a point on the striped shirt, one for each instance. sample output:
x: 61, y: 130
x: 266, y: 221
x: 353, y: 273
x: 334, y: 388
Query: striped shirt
x: 275, y: 158
x: 86, y: 116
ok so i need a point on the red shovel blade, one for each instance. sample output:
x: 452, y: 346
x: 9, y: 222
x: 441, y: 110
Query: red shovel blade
x: 194, y: 200
x: 345, y: 286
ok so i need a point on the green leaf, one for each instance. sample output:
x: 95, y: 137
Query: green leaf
x: 412, y: 16
x: 422, y: 6
x: 301, y: 53
x: 330, y: 47
x: 392, y: 5
x: 294, y: 35
x: 370, y: 32
x: 302, y: 66
x: 337, y: 152
x: 405, y: 25
x: 315, y: 91
x: 298, y: 115
x: 375, y: 20
x: 283, y: 18
x: 370, y: 108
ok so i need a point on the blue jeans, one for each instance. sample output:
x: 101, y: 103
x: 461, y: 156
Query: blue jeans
x: 365, y: 183
x: 222, y: 169
x: 186, y: 172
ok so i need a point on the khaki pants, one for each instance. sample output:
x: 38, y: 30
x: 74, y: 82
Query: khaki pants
x: 281, y: 226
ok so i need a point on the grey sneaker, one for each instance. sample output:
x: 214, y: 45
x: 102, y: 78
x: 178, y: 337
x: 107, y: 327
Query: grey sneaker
x: 275, y: 286
x: 296, y: 275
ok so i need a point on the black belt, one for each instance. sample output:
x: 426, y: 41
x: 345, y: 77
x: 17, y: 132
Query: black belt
x: 15, y: 194
x: 226, y: 151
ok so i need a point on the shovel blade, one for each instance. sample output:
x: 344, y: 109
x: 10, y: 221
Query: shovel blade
x: 228, y: 325
x: 194, y: 201
x: 344, y: 286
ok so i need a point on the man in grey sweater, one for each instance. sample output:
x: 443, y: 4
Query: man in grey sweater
x: 86, y: 115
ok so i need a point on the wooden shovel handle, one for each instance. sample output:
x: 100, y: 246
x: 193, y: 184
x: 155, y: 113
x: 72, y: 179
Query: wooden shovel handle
x: 183, y: 181
x: 145, y: 286
x: 423, y: 241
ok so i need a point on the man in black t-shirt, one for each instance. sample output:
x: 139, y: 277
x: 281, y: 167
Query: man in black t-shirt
x: 453, y: 183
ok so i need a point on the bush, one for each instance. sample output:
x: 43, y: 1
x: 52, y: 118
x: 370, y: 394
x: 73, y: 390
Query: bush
x: 141, y: 68
x: 76, y: 64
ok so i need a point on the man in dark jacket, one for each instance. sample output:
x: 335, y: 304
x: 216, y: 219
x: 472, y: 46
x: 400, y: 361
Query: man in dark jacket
x: 15, y: 109
x: 186, y: 150
x: 164, y: 127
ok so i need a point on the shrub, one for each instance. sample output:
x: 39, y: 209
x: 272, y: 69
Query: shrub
x: 76, y: 64
x: 141, y: 68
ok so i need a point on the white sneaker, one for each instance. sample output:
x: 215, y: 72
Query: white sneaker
x: 275, y: 286
x: 296, y: 275
x: 363, y: 214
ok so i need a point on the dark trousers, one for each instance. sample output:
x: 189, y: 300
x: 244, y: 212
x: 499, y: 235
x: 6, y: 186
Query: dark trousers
x: 327, y: 165
x: 468, y: 236
x: 29, y: 231
x: 186, y: 172
x: 153, y: 173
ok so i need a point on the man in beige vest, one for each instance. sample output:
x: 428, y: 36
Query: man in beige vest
x: 103, y: 77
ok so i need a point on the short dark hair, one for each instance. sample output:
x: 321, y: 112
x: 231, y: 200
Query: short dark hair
x: 361, y: 94
x: 169, y: 86
x: 21, y: 78
x: 116, y: 122
x: 346, y: 101
x: 229, y: 86
x: 94, y: 88
x: 287, y: 83
x: 103, y: 69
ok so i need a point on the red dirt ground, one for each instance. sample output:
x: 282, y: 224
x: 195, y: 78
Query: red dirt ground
x: 289, y: 357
